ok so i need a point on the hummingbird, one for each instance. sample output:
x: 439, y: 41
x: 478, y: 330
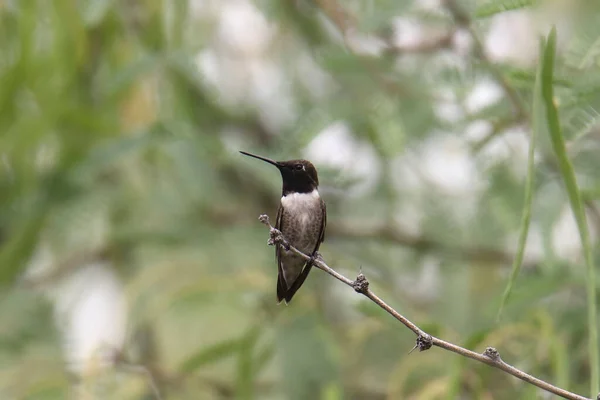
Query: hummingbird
x: 301, y: 218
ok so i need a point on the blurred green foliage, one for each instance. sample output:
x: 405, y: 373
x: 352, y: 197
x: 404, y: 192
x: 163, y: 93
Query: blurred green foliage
x: 115, y: 147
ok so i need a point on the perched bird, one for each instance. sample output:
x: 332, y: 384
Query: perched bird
x: 301, y: 218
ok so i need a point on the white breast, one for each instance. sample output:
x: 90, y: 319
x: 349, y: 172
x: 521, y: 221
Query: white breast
x: 301, y: 204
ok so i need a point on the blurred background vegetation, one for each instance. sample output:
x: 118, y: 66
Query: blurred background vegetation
x: 130, y: 251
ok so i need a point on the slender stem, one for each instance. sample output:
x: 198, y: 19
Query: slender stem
x: 573, y: 192
x: 369, y: 293
x: 490, y: 357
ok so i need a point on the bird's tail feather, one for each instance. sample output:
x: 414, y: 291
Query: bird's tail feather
x: 283, y: 293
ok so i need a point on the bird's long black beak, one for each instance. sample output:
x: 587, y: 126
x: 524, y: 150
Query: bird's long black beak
x: 275, y: 163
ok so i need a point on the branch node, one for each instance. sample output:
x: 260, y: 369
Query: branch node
x: 264, y: 218
x: 492, y: 353
x: 361, y: 284
x: 276, y: 237
x: 424, y: 342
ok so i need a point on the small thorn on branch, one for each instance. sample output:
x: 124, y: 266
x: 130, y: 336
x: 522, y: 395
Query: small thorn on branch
x: 424, y: 342
x: 361, y: 284
x: 492, y: 354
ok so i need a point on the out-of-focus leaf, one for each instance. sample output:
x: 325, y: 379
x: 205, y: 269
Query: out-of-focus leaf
x: 432, y: 327
x: 333, y: 391
x: 550, y: 337
x: 455, y: 379
x: 94, y: 11
x: 245, y: 370
x: 174, y: 15
x: 19, y: 247
x: 476, y: 339
x: 570, y: 181
x: 51, y: 390
x: 526, y: 78
x: 263, y: 357
x: 537, y: 286
x: 493, y: 7
x: 211, y: 354
x: 537, y: 128
x: 371, y: 310
x: 119, y: 82
x: 583, y: 49
x: 434, y: 389
x: 109, y: 152
x: 306, y: 358
x: 474, y: 342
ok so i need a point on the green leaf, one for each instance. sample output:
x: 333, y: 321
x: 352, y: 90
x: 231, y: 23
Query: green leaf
x: 332, y: 391
x: 306, y: 360
x: 94, y: 11
x: 108, y: 153
x: 245, y: 377
x: 211, y: 354
x: 537, y: 125
x: 570, y: 181
x: 583, y: 51
x: 262, y: 359
x: 559, y: 353
x: 526, y: 78
x: 122, y: 80
x: 494, y: 7
x: 536, y: 286
x: 473, y: 341
x: 19, y: 247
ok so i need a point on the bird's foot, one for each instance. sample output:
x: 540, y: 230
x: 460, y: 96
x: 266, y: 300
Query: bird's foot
x: 315, y: 257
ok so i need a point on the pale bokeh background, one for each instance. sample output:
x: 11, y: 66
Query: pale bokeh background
x: 130, y: 251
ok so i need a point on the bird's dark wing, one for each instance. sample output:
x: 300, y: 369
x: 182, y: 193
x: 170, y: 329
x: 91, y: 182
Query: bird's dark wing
x: 323, y: 226
x: 302, y: 277
x: 281, y: 285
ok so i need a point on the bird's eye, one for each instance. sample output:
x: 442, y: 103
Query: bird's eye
x: 298, y: 167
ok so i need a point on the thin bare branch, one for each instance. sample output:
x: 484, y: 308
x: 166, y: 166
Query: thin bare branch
x: 424, y: 341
